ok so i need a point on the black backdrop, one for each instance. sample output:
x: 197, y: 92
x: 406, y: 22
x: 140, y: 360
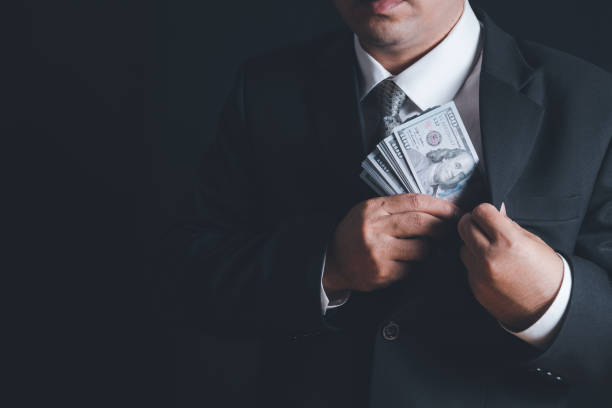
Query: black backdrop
x: 106, y: 107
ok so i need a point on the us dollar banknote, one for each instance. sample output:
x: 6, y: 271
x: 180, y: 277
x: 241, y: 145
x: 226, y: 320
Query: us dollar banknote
x: 376, y: 184
x: 392, y: 153
x: 376, y: 165
x: 438, y: 152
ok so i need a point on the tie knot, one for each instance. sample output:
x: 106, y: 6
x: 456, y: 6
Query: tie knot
x: 391, y: 98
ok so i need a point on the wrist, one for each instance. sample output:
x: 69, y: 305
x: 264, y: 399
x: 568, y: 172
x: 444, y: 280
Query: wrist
x: 547, y: 297
x: 521, y: 322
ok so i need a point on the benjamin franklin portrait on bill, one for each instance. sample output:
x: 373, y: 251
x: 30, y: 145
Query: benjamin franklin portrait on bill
x: 442, y: 172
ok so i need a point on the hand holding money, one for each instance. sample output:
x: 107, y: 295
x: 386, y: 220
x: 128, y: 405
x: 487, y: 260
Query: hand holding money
x: 512, y: 272
x: 377, y: 241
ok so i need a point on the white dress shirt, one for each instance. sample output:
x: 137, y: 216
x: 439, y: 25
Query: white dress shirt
x: 450, y: 71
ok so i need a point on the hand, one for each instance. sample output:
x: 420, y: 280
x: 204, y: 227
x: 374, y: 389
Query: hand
x: 377, y: 241
x: 512, y: 272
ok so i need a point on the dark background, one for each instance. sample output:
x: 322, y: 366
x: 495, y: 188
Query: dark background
x: 106, y: 107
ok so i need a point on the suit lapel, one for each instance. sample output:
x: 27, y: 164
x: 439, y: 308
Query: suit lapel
x: 510, y: 110
x: 336, y: 112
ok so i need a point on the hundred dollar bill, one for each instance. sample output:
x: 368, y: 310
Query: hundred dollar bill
x: 438, y: 151
x: 375, y: 163
x: 392, y: 153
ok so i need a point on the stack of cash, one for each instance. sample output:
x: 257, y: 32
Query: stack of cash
x: 429, y: 154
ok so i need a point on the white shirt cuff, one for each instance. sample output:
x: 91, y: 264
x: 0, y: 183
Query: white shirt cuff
x: 340, y: 299
x: 546, y: 327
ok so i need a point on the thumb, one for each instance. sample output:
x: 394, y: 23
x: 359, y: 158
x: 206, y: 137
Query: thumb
x: 502, y: 211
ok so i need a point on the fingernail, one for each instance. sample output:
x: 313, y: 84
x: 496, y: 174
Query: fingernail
x: 502, y: 209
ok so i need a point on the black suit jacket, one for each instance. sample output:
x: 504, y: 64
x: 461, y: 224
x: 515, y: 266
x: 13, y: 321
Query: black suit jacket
x: 284, y: 170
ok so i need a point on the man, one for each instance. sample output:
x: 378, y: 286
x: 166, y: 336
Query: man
x: 410, y: 300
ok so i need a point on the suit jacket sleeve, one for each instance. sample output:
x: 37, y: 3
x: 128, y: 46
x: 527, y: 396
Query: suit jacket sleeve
x: 582, y: 351
x: 243, y: 271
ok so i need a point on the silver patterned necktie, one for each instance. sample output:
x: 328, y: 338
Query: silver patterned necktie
x: 390, y: 99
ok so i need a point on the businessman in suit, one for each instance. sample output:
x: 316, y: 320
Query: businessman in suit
x: 409, y: 300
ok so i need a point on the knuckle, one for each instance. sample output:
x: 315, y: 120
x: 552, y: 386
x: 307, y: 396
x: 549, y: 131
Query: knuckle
x: 368, y: 205
x: 376, y: 257
x: 374, y: 204
x: 417, y: 219
x: 484, y: 210
x: 492, y: 268
x: 364, y: 230
x: 507, y: 243
x: 480, y: 210
x: 395, y: 225
x: 367, y: 230
x: 374, y: 261
x: 381, y: 277
x: 379, y: 281
x: 414, y: 200
x: 489, y: 263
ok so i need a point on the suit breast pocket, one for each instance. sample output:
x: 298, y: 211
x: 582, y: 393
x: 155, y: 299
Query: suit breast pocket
x: 554, y: 219
x: 543, y: 209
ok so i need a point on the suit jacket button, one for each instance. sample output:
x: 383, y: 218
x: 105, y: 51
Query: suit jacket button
x: 390, y: 331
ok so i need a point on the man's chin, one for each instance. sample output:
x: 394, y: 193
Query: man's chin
x: 382, y: 32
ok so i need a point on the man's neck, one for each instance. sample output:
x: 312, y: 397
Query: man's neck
x: 396, y: 58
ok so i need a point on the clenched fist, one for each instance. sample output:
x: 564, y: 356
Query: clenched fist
x: 512, y: 272
x: 377, y: 241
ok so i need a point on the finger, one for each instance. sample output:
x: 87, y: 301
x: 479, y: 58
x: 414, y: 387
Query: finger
x: 412, y: 224
x: 491, y: 222
x: 472, y: 235
x: 412, y: 249
x: 400, y: 203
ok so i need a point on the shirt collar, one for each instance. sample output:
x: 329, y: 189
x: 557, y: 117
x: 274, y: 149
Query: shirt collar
x: 437, y: 76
